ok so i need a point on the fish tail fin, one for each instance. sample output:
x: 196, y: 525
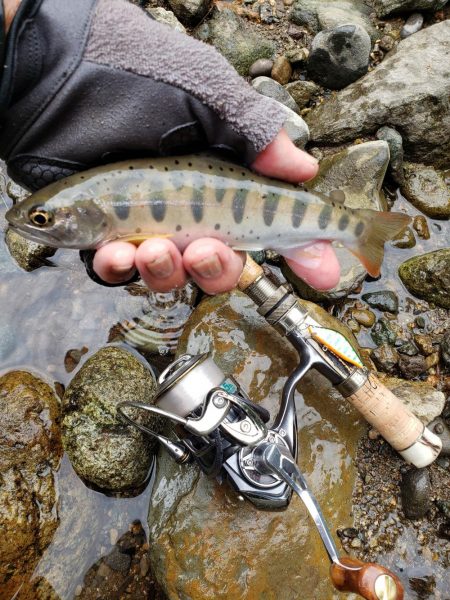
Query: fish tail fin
x: 381, y: 227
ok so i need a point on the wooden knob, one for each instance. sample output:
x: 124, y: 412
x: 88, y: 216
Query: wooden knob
x: 368, y: 580
x: 252, y: 271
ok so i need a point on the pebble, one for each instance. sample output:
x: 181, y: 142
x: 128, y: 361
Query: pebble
x: 382, y: 333
x: 405, y: 239
x: 408, y: 348
x: 356, y: 543
x: 384, y: 300
x: 424, y: 342
x: 281, y: 70
x: 269, y: 87
x: 416, y: 493
x: 297, y: 33
x: 261, y: 67
x: 339, y: 56
x: 167, y: 17
x: 385, y: 358
x: 118, y: 561
x: 297, y: 55
x: 395, y: 143
x: 302, y: 91
x: 144, y: 565
x: 420, y: 225
x: 386, y: 43
x: 432, y: 360
x: 426, y: 188
x: 366, y: 318
x: 412, y: 25
x: 412, y: 366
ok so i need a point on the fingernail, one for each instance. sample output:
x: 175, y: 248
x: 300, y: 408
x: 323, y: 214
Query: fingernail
x: 162, y: 267
x: 311, y: 257
x: 312, y: 160
x: 209, y: 267
x: 123, y: 272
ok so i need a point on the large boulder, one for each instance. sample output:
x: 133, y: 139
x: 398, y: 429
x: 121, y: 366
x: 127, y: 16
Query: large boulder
x: 30, y: 451
x: 409, y: 90
x: 428, y: 276
x: 384, y: 8
x: 206, y: 544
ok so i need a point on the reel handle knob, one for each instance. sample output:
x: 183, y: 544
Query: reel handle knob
x: 368, y: 580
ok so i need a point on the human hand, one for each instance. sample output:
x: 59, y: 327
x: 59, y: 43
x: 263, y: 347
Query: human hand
x: 211, y: 264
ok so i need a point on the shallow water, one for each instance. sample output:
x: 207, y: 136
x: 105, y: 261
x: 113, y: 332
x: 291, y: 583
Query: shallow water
x: 56, y: 309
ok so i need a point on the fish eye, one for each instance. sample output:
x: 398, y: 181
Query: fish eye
x: 39, y: 216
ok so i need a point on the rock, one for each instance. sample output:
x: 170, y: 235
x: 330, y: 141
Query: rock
x: 366, y: 318
x: 420, y: 397
x: 28, y: 255
x: 386, y: 43
x: 428, y: 276
x: 102, y: 449
x: 297, y: 33
x: 30, y: 451
x: 421, y: 227
x: 296, y: 128
x: 261, y: 67
x: 409, y: 90
x: 167, y: 17
x: 281, y: 70
x: 302, y: 91
x: 118, y: 561
x: 424, y: 342
x: 382, y: 333
x: 405, y: 239
x: 412, y: 25
x: 408, y: 348
x: 358, y: 172
x: 190, y: 12
x: 267, y: 13
x: 297, y: 55
x: 385, y: 358
x: 427, y: 190
x: 384, y: 8
x: 416, y: 493
x: 445, y: 348
x: 412, y: 367
x: 202, y: 538
x: 327, y: 14
x: 395, y: 142
x: 240, y: 43
x: 271, y: 88
x: 339, y: 56
x: 384, y: 300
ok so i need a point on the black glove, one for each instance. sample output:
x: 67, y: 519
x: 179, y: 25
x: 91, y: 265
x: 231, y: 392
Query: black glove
x: 94, y: 81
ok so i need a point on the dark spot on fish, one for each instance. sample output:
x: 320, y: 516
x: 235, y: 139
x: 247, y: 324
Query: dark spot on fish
x: 270, y: 208
x: 243, y: 173
x: 325, y: 216
x: 220, y: 193
x: 122, y: 210
x: 298, y: 212
x: 343, y: 222
x: 217, y: 226
x: 166, y: 168
x: 238, y: 207
x: 178, y: 228
x: 189, y: 164
x: 251, y: 231
x: 158, y: 208
x: 81, y: 176
x: 131, y: 167
x: 138, y: 230
x: 177, y: 162
x: 231, y: 169
x: 151, y: 167
x: 359, y: 228
x: 220, y: 168
x: 197, y: 205
x: 210, y: 167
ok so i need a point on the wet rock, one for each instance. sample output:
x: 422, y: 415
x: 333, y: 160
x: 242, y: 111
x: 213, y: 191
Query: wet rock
x: 412, y: 367
x: 445, y: 348
x: 101, y: 448
x: 261, y: 67
x: 395, y: 142
x: 28, y: 255
x: 320, y: 14
x: 384, y: 300
x: 364, y: 317
x: 296, y: 128
x: 416, y: 493
x: 384, y: 8
x: 339, y: 56
x: 404, y: 239
x: 281, y: 70
x: 118, y: 561
x: 190, y: 12
x: 420, y: 225
x: 409, y: 90
x: 412, y: 25
x: 167, y: 17
x: 30, y: 451
x: 408, y: 348
x: 428, y: 276
x: 235, y: 39
x: 427, y: 190
x: 385, y: 358
x: 382, y: 333
x: 199, y: 531
x: 358, y: 172
x: 302, y: 91
x: 424, y: 342
x: 268, y: 87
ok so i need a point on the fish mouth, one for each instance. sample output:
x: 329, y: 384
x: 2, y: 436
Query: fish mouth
x: 30, y: 234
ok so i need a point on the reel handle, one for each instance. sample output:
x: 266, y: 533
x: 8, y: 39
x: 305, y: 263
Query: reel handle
x: 368, y: 580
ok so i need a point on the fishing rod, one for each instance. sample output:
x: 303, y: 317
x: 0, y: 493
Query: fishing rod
x: 217, y: 425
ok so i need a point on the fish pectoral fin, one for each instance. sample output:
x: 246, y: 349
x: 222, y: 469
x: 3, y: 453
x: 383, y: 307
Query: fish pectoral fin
x: 380, y: 227
x: 138, y: 239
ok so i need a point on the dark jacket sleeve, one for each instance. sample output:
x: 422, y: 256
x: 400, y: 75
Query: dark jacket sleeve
x: 94, y: 81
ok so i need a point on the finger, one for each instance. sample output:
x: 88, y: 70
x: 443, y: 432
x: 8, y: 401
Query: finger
x: 282, y: 159
x: 317, y: 265
x: 114, y: 262
x: 213, y: 265
x: 160, y: 264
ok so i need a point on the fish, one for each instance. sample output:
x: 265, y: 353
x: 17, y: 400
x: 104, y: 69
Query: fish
x: 185, y: 198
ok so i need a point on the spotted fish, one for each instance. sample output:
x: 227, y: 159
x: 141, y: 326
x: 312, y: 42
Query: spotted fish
x: 189, y: 197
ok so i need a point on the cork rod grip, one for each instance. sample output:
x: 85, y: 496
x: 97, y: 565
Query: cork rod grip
x: 252, y: 271
x: 395, y: 422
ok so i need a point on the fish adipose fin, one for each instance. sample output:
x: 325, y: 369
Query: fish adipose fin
x: 379, y: 228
